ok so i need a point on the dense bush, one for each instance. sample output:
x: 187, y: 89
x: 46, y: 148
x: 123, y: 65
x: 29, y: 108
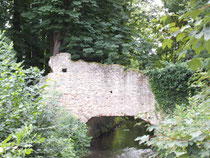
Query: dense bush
x: 66, y: 137
x: 185, y: 134
x: 27, y: 127
x: 19, y: 103
x: 170, y: 85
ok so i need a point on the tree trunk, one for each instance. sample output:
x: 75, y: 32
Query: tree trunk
x: 57, y: 43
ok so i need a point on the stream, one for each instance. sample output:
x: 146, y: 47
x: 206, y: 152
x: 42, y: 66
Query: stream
x: 120, y: 143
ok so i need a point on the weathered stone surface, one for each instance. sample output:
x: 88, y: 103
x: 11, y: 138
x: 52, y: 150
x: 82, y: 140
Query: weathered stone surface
x: 91, y: 89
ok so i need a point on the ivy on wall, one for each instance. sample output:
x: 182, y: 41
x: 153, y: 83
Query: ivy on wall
x: 170, y: 85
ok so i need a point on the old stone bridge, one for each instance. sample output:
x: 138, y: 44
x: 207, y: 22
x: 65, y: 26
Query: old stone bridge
x: 93, y: 90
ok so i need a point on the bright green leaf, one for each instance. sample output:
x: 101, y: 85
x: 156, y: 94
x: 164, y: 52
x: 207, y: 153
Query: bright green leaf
x: 199, y: 48
x: 28, y: 151
x: 192, y: 2
x: 167, y: 42
x: 195, y: 64
x: 207, y: 46
x: 182, y: 54
x: 172, y: 24
x: 208, y: 72
x: 180, y: 37
x: 173, y: 29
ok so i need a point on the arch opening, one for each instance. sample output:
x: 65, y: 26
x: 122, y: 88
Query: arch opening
x: 115, y: 133
x: 99, y: 127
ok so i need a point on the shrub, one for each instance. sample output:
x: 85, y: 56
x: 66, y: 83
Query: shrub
x: 186, y: 133
x: 28, y: 127
x: 19, y: 144
x: 170, y: 85
x: 67, y: 136
x: 19, y: 103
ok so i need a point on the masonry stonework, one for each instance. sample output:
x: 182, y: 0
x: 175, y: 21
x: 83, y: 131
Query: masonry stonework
x: 93, y: 90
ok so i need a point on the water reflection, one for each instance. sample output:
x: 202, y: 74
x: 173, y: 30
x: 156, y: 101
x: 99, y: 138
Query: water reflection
x: 120, y: 143
x: 125, y: 153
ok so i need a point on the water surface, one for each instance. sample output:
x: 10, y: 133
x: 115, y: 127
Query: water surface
x: 120, y: 143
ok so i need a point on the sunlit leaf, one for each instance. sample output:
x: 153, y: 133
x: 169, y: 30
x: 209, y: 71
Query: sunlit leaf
x: 207, y: 34
x: 180, y: 37
x: 172, y: 24
x: 198, y: 22
x: 195, y: 64
x: 142, y: 139
x: 173, y: 29
x: 182, y: 54
x: 198, y: 36
x: 196, y: 134
x: 185, y: 27
x: 192, y: 2
x: 167, y: 42
x: 207, y: 46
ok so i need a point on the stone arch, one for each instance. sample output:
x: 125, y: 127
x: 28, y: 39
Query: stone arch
x: 92, y: 90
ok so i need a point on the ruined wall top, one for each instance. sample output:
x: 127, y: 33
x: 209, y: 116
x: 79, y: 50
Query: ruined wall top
x: 59, y: 62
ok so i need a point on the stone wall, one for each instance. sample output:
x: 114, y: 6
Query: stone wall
x: 92, y: 90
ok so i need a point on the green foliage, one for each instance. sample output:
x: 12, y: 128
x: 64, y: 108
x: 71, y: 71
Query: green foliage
x: 66, y: 137
x: 19, y: 93
x: 19, y: 104
x: 92, y: 30
x: 165, y: 47
x: 105, y: 31
x: 175, y: 6
x: 170, y: 85
x: 20, y: 143
x: 29, y: 127
x: 170, y: 33
x: 141, y: 15
x: 194, y: 35
x: 4, y: 12
x: 186, y: 133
